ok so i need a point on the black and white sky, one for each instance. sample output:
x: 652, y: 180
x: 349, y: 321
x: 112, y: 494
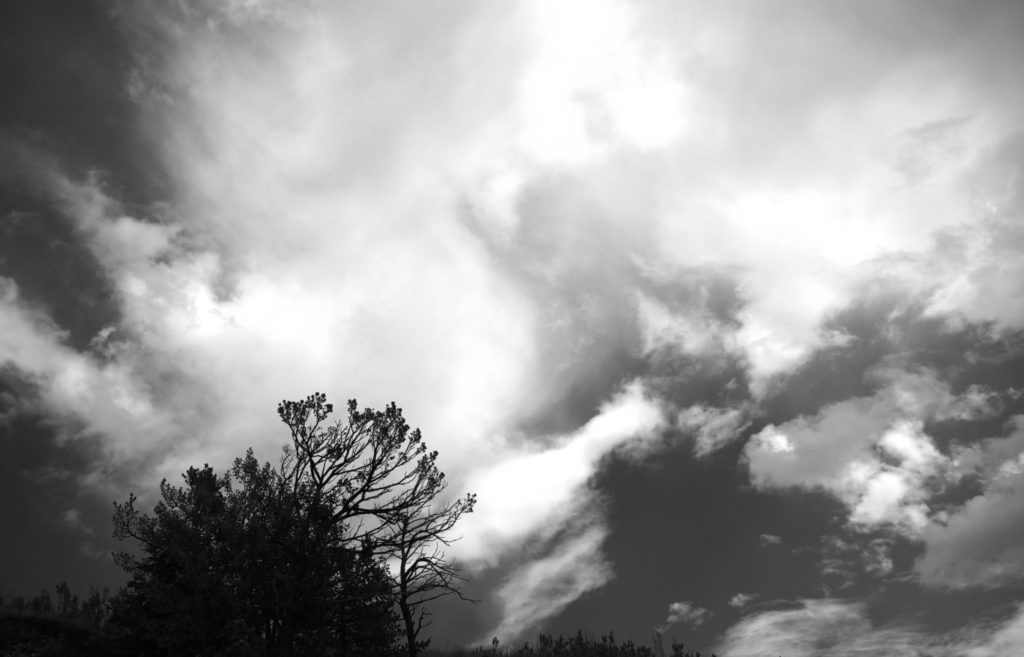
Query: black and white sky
x: 717, y: 306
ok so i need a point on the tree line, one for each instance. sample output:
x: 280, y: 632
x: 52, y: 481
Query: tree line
x: 91, y: 610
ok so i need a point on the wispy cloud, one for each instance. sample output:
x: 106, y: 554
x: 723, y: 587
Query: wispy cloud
x: 843, y: 628
x: 546, y: 585
x: 684, y: 612
x: 713, y: 427
x: 530, y: 491
x: 741, y: 600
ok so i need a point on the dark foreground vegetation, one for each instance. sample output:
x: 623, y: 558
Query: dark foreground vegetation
x: 64, y: 626
x: 335, y: 552
x: 57, y: 625
x: 578, y: 645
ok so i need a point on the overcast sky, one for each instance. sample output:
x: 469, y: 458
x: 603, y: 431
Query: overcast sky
x: 717, y: 306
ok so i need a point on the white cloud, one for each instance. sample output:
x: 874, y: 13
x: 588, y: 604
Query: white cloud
x: 817, y: 626
x: 684, y: 612
x: 803, y: 189
x: 109, y: 396
x: 546, y: 585
x: 603, y: 93
x: 871, y: 452
x: 526, y: 492
x: 741, y: 600
x: 595, y: 85
x: 842, y: 628
x: 713, y: 427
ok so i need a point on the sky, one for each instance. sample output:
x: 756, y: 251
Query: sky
x: 718, y: 307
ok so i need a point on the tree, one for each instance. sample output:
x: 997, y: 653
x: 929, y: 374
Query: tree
x: 421, y: 528
x: 42, y: 604
x: 382, y: 482
x: 177, y: 601
x: 247, y: 563
x: 295, y: 560
x: 67, y: 603
x: 95, y: 608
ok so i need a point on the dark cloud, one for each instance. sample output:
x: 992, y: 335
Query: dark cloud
x: 47, y: 516
x: 55, y: 270
x: 64, y: 70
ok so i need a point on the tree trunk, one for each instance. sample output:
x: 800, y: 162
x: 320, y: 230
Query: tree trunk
x: 410, y: 627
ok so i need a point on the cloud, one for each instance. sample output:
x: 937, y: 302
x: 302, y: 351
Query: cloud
x: 73, y: 519
x: 538, y: 500
x: 714, y: 427
x: 741, y: 600
x: 978, y: 267
x: 75, y: 387
x: 594, y: 86
x: 843, y: 628
x: 545, y: 586
x: 817, y: 626
x: 872, y: 452
x: 268, y: 150
x: 854, y: 559
x: 1002, y: 640
x: 683, y: 612
x: 980, y: 545
x: 528, y: 491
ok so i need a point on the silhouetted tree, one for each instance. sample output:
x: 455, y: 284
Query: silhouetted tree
x: 96, y: 607
x: 41, y: 604
x: 421, y: 527
x: 383, y: 483
x: 247, y: 563
x: 67, y: 602
x: 179, y: 599
x: 294, y: 560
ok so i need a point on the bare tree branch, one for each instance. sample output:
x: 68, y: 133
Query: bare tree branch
x: 386, y: 489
